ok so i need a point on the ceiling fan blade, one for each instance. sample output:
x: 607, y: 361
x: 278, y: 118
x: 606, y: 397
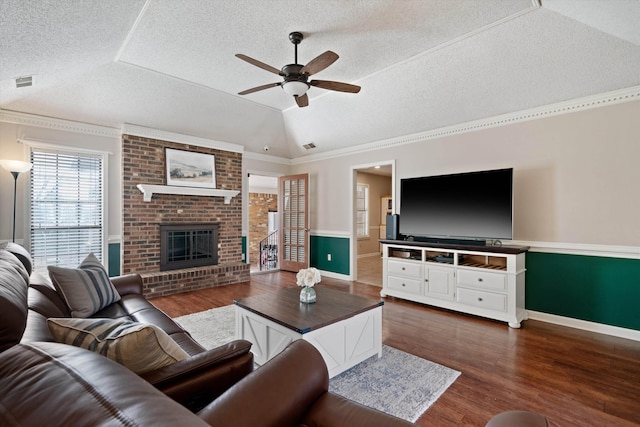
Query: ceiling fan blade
x: 337, y: 86
x: 258, y: 88
x: 259, y: 64
x: 319, y: 63
x: 302, y: 101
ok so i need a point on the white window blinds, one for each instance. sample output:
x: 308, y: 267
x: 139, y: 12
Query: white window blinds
x: 66, y: 207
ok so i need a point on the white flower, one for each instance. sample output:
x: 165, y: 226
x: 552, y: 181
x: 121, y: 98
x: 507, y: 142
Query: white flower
x: 308, y: 277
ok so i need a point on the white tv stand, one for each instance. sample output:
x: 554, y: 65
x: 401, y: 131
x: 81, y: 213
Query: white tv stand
x: 485, y: 281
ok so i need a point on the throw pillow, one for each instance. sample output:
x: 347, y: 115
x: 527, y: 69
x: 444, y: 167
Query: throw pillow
x: 140, y: 347
x: 87, y: 289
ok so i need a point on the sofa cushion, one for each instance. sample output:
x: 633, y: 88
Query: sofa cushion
x: 55, y: 385
x: 19, y: 252
x: 138, y: 346
x: 14, y: 282
x: 86, y: 289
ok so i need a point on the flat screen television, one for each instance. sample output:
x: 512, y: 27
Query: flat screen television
x: 473, y: 206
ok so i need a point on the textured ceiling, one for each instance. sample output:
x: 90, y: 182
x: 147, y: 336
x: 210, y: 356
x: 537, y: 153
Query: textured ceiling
x: 422, y: 64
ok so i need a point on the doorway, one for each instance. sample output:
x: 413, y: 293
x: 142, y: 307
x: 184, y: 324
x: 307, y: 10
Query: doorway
x: 262, y: 229
x: 293, y: 245
x: 373, y: 195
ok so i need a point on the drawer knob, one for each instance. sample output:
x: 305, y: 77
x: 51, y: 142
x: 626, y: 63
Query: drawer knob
x: 403, y: 268
x: 479, y: 299
x: 426, y: 280
x: 404, y: 284
x: 479, y: 279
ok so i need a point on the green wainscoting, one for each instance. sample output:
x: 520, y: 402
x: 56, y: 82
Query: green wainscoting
x: 320, y: 247
x: 114, y: 259
x: 597, y: 289
x: 244, y: 249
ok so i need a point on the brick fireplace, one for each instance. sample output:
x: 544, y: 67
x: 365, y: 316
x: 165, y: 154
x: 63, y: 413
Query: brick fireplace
x: 144, y: 163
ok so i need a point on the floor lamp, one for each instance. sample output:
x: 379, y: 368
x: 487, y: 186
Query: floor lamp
x: 16, y: 167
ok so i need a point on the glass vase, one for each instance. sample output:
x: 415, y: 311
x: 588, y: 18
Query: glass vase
x: 308, y: 295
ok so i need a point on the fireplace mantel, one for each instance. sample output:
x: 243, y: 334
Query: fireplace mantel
x: 148, y: 190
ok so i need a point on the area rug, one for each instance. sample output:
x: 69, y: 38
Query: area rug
x: 398, y: 383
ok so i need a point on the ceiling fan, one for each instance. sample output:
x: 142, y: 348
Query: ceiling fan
x: 296, y: 77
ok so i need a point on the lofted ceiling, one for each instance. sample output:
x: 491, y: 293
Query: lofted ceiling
x: 422, y: 64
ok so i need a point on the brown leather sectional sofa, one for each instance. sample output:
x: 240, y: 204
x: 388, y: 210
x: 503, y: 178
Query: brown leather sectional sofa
x: 46, y: 383
x: 193, y: 382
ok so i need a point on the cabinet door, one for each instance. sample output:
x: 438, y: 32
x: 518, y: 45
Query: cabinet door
x: 439, y: 282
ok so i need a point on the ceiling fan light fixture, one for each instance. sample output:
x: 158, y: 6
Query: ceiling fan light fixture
x: 295, y: 88
x: 296, y: 76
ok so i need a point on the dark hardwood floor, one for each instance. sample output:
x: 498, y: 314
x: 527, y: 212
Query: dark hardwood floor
x: 576, y: 378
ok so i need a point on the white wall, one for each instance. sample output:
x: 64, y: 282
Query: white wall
x: 260, y: 165
x: 576, y: 175
x: 46, y: 132
x: 10, y: 133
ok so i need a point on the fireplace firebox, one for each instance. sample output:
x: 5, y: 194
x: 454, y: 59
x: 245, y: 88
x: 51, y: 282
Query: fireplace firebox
x: 186, y: 245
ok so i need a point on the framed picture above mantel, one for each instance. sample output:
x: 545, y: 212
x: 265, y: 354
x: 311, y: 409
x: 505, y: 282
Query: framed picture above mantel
x: 190, y: 169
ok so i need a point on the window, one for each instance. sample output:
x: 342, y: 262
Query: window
x: 362, y: 210
x: 66, y: 210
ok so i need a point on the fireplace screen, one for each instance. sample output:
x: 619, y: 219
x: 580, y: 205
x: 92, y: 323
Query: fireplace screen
x: 188, y: 245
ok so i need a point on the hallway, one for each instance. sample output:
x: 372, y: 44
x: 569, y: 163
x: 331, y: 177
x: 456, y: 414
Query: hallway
x: 370, y: 270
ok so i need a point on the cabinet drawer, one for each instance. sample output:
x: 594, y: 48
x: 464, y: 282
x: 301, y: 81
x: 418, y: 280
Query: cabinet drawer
x: 482, y: 280
x: 404, y: 284
x: 488, y: 300
x: 404, y: 269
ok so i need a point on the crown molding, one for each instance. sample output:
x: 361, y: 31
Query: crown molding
x: 52, y: 145
x: 57, y: 124
x: 129, y: 129
x: 572, y: 106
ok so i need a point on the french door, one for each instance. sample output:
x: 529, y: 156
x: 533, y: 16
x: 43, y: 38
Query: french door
x: 293, y: 192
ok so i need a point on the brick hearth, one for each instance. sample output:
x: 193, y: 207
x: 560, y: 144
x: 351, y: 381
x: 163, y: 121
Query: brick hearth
x: 144, y: 163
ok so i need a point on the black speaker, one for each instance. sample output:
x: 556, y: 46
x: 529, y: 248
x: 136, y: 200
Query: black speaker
x: 393, y: 227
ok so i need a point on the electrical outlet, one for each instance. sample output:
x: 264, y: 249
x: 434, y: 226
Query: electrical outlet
x: 328, y: 257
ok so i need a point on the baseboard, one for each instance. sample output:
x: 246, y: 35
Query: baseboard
x: 335, y: 275
x: 615, y: 331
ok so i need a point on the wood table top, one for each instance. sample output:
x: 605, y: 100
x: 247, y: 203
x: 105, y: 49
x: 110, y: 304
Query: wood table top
x: 284, y: 307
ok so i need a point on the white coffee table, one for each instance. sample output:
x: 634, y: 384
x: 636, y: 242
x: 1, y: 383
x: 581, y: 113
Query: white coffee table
x: 345, y: 328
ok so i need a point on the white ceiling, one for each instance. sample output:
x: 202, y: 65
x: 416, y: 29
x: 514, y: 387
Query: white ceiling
x: 422, y: 64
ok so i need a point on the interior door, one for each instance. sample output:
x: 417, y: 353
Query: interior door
x: 294, y: 222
